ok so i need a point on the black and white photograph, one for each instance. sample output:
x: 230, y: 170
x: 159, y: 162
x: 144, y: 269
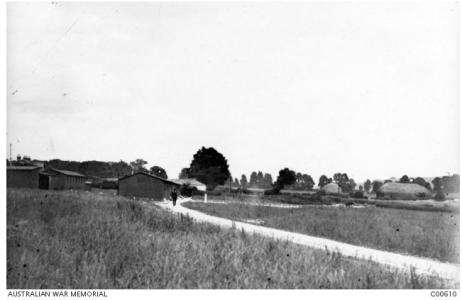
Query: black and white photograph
x: 231, y: 145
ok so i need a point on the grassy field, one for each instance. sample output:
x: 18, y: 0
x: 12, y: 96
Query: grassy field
x: 427, y: 234
x: 87, y: 240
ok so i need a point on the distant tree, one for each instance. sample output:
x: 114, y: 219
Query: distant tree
x: 244, y: 182
x: 229, y: 181
x: 253, y: 179
x: 367, y: 185
x: 323, y: 180
x: 437, y: 184
x: 286, y: 177
x: 451, y: 184
x: 138, y: 165
x: 18, y: 157
x: 308, y: 182
x: 351, y: 185
x: 337, y: 178
x: 439, y: 196
x: 360, y: 188
x: 210, y: 167
x: 302, y: 182
x: 343, y: 181
x: 260, y: 180
x: 422, y: 182
x: 376, y: 186
x: 158, y: 171
x: 184, y: 173
x: 404, y: 179
x: 268, y: 180
x: 236, y: 182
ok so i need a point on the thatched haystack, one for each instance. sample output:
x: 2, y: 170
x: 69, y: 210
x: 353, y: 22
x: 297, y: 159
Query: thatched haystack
x: 403, y: 191
x: 331, y: 188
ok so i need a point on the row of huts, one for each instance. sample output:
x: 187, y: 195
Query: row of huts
x: 38, y: 177
x: 390, y: 190
x: 140, y: 185
x: 145, y: 185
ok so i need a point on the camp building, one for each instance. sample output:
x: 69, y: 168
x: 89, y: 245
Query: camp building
x: 55, y: 179
x: 144, y: 185
x: 331, y: 188
x: 22, y: 176
x: 403, y: 191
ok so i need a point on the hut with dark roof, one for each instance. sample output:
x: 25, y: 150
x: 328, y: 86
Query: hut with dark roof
x: 55, y: 179
x: 403, y: 191
x: 144, y: 185
x: 22, y: 176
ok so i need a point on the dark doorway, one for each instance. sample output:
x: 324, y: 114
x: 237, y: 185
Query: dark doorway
x: 44, y: 182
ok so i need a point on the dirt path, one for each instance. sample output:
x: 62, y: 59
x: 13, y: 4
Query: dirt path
x: 423, y: 266
x: 277, y: 205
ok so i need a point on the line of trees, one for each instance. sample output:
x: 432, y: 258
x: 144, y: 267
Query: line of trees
x: 211, y: 167
x: 94, y: 168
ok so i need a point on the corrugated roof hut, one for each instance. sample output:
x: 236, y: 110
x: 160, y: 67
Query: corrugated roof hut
x: 331, y: 188
x: 403, y: 191
x: 144, y: 185
x: 22, y: 176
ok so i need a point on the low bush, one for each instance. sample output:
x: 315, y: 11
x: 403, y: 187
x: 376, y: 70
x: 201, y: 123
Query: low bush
x: 439, y: 196
x: 357, y: 195
x: 187, y: 190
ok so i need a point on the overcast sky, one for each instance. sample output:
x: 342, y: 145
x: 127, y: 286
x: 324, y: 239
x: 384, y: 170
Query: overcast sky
x: 364, y: 88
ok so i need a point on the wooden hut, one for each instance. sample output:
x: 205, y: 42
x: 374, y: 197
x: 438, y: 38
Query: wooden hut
x: 144, y: 185
x: 55, y: 179
x: 22, y: 176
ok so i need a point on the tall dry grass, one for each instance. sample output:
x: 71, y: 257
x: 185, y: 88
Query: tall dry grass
x: 83, y: 240
x: 421, y: 233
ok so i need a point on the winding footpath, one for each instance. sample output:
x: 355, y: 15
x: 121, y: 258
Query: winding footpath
x: 422, y: 266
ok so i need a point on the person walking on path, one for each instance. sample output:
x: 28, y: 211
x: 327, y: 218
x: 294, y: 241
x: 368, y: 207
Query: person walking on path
x: 174, y: 196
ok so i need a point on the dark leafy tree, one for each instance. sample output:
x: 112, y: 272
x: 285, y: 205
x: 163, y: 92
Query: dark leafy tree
x: 351, y: 185
x: 138, y: 165
x: 210, y: 167
x: 253, y: 179
x: 437, y: 184
x: 404, y: 179
x: 260, y: 179
x: 184, y: 173
x: 422, y: 182
x: 286, y: 177
x: 93, y: 168
x: 268, y: 180
x: 158, y: 171
x: 376, y: 184
x: 236, y: 182
x: 343, y: 181
x: 367, y: 185
x: 244, y: 182
x: 323, y: 180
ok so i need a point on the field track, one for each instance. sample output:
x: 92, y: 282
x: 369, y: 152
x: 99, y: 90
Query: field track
x: 422, y: 266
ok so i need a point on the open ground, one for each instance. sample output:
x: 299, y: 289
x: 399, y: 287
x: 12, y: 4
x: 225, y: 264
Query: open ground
x: 87, y: 240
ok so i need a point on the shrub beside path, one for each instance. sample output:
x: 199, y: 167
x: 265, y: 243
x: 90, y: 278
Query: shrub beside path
x: 421, y: 266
